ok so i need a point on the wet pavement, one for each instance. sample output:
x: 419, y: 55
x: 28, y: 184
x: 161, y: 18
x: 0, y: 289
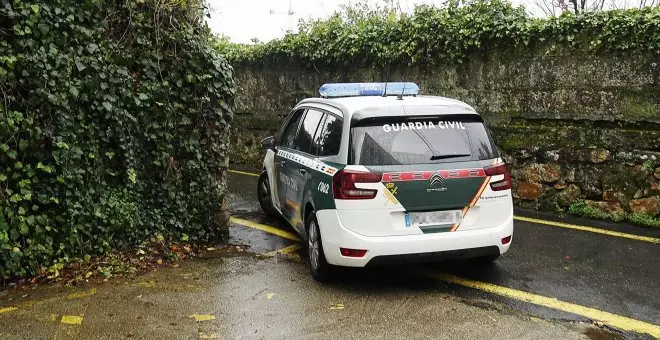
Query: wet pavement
x: 244, y: 294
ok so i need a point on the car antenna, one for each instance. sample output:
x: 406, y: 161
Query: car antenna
x: 400, y: 97
x: 387, y: 72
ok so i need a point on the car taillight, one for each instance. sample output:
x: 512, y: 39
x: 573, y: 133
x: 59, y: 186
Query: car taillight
x: 499, y: 169
x: 343, y: 185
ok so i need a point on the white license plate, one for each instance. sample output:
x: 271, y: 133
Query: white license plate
x: 421, y: 219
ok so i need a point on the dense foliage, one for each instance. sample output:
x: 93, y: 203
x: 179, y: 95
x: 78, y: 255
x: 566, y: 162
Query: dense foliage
x: 449, y: 34
x: 113, y: 128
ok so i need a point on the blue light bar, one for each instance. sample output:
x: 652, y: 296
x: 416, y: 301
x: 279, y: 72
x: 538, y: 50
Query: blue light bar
x: 368, y: 89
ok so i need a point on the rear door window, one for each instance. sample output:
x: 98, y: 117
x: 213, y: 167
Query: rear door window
x: 427, y: 140
x: 328, y: 136
x: 308, y: 130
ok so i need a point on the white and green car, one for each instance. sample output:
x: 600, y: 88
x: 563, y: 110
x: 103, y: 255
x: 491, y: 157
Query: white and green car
x: 375, y: 173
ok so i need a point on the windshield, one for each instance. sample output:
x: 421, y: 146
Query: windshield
x: 439, y: 139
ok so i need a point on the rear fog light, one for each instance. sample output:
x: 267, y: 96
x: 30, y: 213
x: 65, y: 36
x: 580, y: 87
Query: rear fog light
x: 352, y: 252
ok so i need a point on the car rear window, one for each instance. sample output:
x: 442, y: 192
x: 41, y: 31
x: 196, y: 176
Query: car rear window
x: 437, y: 139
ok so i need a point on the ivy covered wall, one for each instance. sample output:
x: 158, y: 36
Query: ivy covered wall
x: 114, y: 120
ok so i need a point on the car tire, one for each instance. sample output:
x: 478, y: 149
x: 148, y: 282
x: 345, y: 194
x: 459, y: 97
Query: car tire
x: 264, y: 195
x: 318, y: 265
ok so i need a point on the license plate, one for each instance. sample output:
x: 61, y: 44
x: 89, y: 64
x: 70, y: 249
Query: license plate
x: 421, y: 219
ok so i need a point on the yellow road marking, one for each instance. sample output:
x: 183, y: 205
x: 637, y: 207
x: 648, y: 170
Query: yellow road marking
x: 8, y: 309
x: 83, y: 294
x: 244, y: 173
x: 607, y: 318
x: 275, y: 231
x: 284, y: 251
x: 72, y: 319
x: 590, y: 229
x: 203, y: 317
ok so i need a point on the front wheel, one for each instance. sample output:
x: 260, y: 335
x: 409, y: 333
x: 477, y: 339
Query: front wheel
x: 321, y: 269
x: 264, y: 195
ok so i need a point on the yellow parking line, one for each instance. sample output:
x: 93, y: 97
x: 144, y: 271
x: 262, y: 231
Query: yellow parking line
x: 613, y: 320
x: 590, y: 229
x: 286, y: 250
x: 244, y: 173
x: 275, y: 231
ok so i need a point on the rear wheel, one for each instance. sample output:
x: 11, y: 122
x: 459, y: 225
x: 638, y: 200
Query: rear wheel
x: 321, y: 269
x: 264, y: 195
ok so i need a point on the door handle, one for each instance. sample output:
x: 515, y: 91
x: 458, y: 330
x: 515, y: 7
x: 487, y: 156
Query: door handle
x: 302, y: 171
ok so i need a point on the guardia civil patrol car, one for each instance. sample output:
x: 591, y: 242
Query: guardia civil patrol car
x: 375, y: 173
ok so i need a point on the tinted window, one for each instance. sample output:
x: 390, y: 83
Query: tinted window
x: 289, y: 135
x: 308, y: 130
x: 428, y: 140
x: 328, y: 137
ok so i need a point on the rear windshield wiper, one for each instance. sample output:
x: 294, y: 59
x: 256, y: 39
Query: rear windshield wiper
x: 455, y: 155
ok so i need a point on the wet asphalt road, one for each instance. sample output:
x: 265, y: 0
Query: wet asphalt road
x: 612, y: 274
x: 233, y: 293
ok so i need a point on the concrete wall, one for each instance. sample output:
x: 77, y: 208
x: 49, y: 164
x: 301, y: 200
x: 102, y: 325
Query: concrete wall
x: 572, y: 127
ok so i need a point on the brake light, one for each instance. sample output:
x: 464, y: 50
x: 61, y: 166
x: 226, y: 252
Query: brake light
x: 499, y: 169
x: 343, y: 185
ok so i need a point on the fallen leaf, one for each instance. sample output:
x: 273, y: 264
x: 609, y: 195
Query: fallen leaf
x: 336, y: 306
x: 159, y: 261
x: 72, y: 319
x: 203, y: 317
x: 147, y: 284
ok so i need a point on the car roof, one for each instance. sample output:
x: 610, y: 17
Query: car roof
x: 375, y: 106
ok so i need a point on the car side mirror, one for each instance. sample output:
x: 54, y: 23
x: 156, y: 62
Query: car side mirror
x: 268, y: 143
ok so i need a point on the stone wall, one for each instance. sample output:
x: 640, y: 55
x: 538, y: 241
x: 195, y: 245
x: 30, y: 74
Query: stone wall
x: 580, y: 132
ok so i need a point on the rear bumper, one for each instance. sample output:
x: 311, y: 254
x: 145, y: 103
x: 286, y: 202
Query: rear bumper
x: 385, y: 249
